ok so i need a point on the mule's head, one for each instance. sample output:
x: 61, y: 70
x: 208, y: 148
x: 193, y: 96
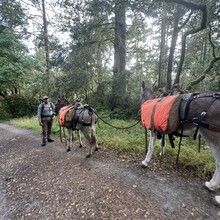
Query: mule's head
x: 146, y: 93
x: 61, y: 102
x: 176, y: 88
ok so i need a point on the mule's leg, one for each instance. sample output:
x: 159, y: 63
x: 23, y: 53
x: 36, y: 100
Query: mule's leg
x: 162, y: 144
x: 150, y: 149
x: 91, y: 138
x: 213, y: 141
x: 214, y: 183
x: 217, y: 200
x: 64, y: 134
x: 69, y: 139
x: 85, y: 131
x: 79, y: 137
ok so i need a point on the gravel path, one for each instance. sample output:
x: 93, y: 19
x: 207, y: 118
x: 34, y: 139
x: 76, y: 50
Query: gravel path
x: 48, y: 183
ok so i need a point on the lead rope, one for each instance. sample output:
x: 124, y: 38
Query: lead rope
x: 178, y: 153
x: 116, y: 126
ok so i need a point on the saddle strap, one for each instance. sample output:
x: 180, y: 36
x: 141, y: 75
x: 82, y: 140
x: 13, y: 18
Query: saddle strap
x: 90, y: 112
x: 152, y: 115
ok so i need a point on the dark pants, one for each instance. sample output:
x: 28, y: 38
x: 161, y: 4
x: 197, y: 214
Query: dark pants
x: 46, y: 129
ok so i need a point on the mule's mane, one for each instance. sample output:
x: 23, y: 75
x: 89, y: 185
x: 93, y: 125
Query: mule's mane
x: 61, y: 102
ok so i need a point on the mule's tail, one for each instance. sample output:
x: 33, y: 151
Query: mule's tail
x: 93, y: 126
x: 92, y: 115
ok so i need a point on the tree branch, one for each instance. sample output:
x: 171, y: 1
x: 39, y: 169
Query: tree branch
x: 192, y: 6
x: 204, y: 73
x: 211, y: 64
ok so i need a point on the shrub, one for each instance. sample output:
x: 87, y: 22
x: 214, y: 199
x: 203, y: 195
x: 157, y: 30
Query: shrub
x: 16, y: 105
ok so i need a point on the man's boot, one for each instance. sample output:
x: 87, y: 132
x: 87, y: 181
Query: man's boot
x: 43, y: 143
x: 50, y: 140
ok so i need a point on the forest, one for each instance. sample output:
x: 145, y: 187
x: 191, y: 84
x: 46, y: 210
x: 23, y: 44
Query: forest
x: 100, y: 51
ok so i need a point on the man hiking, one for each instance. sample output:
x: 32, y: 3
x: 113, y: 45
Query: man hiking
x: 45, y: 115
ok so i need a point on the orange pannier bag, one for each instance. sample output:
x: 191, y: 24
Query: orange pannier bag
x: 66, y: 114
x: 161, y: 114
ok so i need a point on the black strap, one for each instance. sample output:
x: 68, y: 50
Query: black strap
x: 171, y: 139
x: 177, y: 157
x: 201, y: 117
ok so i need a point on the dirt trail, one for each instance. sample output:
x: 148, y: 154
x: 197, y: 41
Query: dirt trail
x: 48, y: 183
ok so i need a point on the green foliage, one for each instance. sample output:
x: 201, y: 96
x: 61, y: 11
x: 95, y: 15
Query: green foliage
x: 127, y: 108
x: 13, y: 63
x: 15, y: 106
x: 201, y: 163
x: 5, y: 111
x: 12, y: 14
x: 129, y: 140
x: 81, y: 67
x: 27, y: 122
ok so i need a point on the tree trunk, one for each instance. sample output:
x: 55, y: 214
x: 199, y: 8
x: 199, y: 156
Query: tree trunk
x: 162, y: 53
x: 172, y: 50
x: 119, y: 75
x: 191, y: 6
x: 46, y: 44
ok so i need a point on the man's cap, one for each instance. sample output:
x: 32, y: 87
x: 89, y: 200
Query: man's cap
x: 45, y: 97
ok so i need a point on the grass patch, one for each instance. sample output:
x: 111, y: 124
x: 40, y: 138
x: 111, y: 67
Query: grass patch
x: 30, y: 123
x: 132, y: 141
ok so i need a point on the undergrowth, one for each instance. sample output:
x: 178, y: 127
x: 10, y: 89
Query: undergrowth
x: 132, y: 140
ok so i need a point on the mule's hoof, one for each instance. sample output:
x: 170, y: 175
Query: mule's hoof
x: 207, y: 186
x: 143, y: 165
x: 216, y: 201
x: 88, y: 155
x: 68, y: 150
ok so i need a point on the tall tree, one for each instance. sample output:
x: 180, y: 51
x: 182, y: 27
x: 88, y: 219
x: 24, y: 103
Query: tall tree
x: 88, y: 63
x: 119, y: 74
x: 162, y: 53
x: 42, y: 38
x: 13, y: 62
x: 46, y: 44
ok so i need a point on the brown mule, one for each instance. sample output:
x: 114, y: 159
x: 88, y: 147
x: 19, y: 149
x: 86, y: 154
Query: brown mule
x: 199, y: 113
x: 84, y: 120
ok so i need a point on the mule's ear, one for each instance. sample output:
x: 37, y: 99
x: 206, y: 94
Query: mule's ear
x: 143, y: 85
